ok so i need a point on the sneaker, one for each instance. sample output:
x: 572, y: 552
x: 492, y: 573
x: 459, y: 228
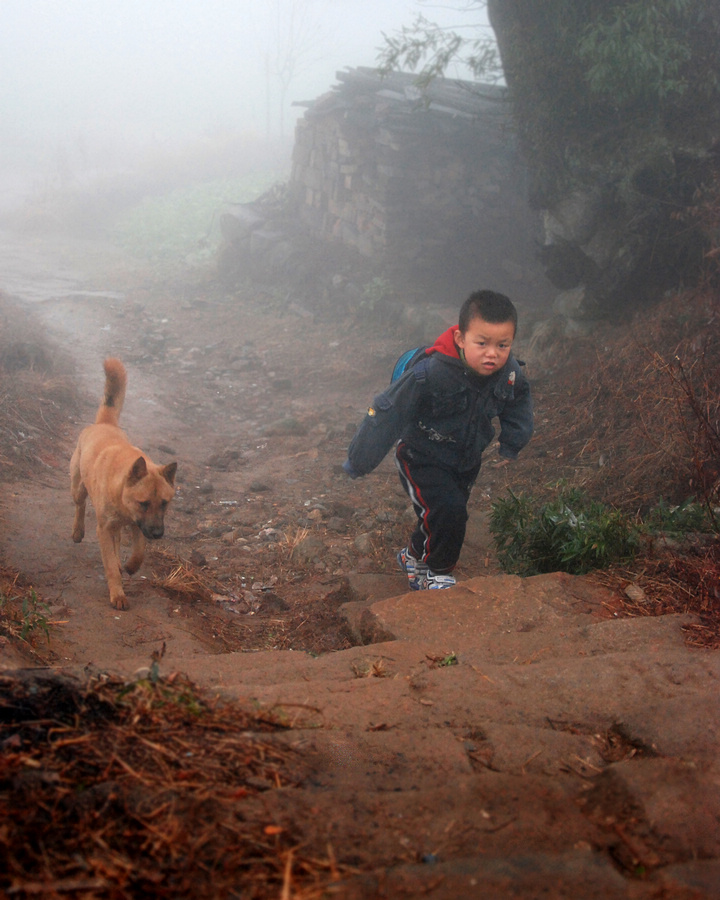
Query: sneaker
x: 435, y: 582
x: 415, y: 570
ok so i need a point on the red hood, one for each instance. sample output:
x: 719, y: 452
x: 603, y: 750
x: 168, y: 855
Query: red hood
x: 446, y: 344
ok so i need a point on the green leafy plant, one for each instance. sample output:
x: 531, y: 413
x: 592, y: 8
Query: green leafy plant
x: 637, y: 51
x: 34, y: 616
x: 437, y: 47
x: 376, y: 293
x: 26, y: 618
x: 688, y: 517
x: 571, y: 534
x: 449, y: 660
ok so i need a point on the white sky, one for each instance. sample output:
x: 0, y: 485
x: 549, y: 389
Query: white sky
x: 168, y: 68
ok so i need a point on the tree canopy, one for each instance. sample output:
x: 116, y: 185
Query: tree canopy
x: 617, y: 108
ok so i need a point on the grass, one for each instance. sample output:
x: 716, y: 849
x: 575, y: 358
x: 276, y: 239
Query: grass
x: 23, y: 615
x: 184, y: 223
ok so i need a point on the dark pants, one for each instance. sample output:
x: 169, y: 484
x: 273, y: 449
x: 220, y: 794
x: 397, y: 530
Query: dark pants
x: 439, y: 497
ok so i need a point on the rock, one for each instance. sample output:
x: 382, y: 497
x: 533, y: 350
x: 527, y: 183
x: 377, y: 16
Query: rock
x: 270, y: 603
x: 224, y: 459
x: 343, y: 510
x: 309, y: 549
x: 363, y: 544
x: 286, y: 426
x: 574, y: 218
x: 636, y: 593
x: 570, y: 303
x: 197, y: 558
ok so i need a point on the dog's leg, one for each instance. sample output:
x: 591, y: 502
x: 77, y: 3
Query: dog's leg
x: 138, y: 550
x: 109, y: 540
x: 79, y: 495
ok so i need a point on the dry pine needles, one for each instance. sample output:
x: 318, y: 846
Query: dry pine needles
x: 116, y: 789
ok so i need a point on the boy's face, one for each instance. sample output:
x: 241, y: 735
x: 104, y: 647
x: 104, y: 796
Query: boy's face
x: 486, y: 344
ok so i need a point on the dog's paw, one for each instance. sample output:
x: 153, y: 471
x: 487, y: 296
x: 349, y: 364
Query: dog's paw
x: 78, y: 534
x: 119, y: 601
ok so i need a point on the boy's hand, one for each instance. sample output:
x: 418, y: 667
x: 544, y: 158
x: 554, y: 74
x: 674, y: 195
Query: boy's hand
x: 348, y: 469
x: 501, y: 463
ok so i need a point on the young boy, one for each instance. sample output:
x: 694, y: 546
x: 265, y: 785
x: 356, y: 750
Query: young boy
x: 439, y: 416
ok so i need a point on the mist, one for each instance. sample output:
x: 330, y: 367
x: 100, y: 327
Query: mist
x: 89, y: 86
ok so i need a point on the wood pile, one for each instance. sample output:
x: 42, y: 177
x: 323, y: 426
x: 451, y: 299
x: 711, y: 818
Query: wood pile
x: 401, y: 173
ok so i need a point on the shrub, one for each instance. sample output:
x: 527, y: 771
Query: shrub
x: 570, y: 534
x: 690, y: 516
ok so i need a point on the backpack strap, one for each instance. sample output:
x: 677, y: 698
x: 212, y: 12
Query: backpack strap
x: 420, y: 368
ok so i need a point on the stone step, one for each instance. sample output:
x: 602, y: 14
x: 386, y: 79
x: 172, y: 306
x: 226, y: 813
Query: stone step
x: 643, y: 824
x: 506, y: 739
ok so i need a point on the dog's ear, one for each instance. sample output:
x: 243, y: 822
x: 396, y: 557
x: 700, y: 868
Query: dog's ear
x: 138, y: 471
x: 168, y: 473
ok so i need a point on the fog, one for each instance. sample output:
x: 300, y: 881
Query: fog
x: 93, y: 82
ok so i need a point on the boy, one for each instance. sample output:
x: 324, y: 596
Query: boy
x: 439, y: 416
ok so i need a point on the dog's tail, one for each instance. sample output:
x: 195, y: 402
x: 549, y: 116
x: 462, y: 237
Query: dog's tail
x: 112, y: 402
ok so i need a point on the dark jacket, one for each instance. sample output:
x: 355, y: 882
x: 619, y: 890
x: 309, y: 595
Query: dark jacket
x: 443, y: 410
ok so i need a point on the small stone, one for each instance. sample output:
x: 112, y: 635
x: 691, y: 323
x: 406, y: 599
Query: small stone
x: 363, y: 544
x: 197, y: 558
x: 636, y: 593
x: 309, y: 549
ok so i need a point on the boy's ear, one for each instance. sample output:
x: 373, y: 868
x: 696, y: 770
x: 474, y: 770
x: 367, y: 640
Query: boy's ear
x: 459, y: 337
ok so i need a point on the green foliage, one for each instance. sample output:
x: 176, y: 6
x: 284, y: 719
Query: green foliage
x: 449, y: 660
x: 575, y: 534
x: 636, y: 52
x: 571, y: 534
x: 376, y: 293
x: 687, y: 518
x: 439, y: 47
x: 170, y: 227
x: 154, y: 693
x: 34, y: 616
x: 31, y: 617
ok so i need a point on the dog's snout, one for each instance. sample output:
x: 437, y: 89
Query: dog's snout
x: 152, y: 532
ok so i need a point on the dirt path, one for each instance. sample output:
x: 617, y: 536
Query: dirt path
x: 256, y: 397
x: 246, y: 396
x: 507, y: 739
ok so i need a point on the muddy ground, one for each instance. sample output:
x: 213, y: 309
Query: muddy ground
x: 472, y: 751
x: 256, y: 396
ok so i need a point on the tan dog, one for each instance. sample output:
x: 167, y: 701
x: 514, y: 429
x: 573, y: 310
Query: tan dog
x: 125, y: 486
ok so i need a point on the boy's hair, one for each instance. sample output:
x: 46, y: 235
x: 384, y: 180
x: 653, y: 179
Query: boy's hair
x: 487, y: 305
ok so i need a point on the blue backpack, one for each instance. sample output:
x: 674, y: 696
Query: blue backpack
x: 407, y: 361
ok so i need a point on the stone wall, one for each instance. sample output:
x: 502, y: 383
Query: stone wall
x: 427, y: 183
